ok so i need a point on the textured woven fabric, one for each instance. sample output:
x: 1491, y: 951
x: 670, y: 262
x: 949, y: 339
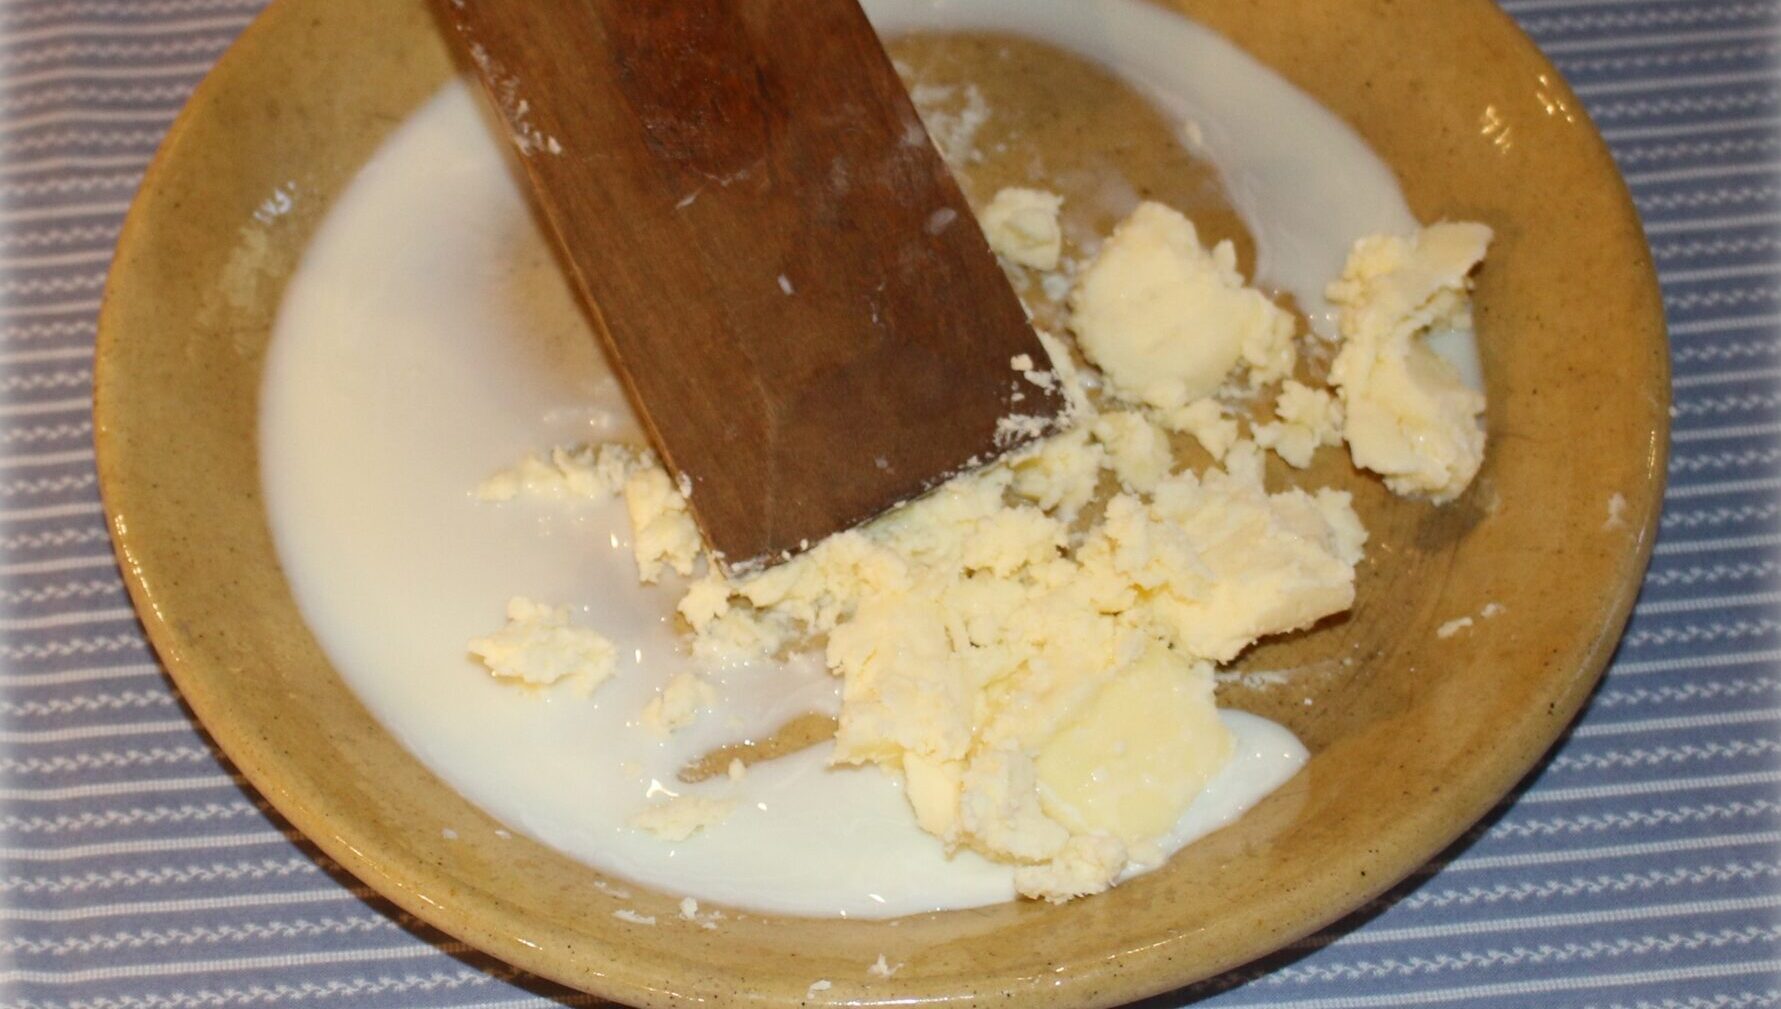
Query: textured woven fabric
x: 1641, y: 867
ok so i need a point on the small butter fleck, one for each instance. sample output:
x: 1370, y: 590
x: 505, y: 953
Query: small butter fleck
x: 682, y: 816
x: 881, y: 968
x: 678, y: 705
x: 1452, y: 627
x: 1616, y: 513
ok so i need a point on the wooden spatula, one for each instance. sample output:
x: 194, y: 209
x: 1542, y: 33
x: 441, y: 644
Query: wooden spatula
x: 790, y: 283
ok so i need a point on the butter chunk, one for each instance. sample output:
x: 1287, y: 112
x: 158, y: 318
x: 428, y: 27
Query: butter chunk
x: 1308, y: 418
x: 1063, y: 365
x: 902, y: 690
x: 1409, y: 416
x: 1167, y: 319
x: 999, y: 808
x: 539, y: 647
x: 682, y: 816
x: 932, y: 787
x: 594, y: 473
x: 1087, y: 864
x: 1224, y: 563
x: 705, y: 601
x: 739, y: 636
x: 663, y: 534
x: 1022, y: 227
x: 677, y: 705
x: 1137, y: 755
x: 1060, y: 474
x: 1209, y: 423
x: 1137, y: 450
x: 973, y: 635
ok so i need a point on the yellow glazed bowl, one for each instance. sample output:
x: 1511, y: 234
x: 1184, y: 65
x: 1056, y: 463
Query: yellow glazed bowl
x: 1413, y: 740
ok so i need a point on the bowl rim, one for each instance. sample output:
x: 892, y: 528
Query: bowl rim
x: 628, y: 977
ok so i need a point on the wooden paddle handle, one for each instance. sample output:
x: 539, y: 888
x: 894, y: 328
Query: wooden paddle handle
x: 787, y: 277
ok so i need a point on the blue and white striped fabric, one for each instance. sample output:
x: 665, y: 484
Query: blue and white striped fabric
x: 1641, y: 868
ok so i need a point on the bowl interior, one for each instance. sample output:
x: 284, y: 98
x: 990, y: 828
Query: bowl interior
x: 1414, y: 736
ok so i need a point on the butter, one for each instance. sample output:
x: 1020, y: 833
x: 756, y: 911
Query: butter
x: 1022, y: 227
x: 1137, y: 450
x: 1209, y: 424
x: 1138, y: 753
x: 1031, y: 646
x: 1308, y: 418
x: 679, y: 703
x: 539, y: 647
x: 1167, y: 319
x: 682, y: 816
x: 952, y: 116
x: 1409, y: 417
x: 1221, y: 562
x: 587, y: 472
x: 1061, y: 474
x: 999, y: 806
x: 663, y: 534
x: 1087, y: 864
x: 973, y: 630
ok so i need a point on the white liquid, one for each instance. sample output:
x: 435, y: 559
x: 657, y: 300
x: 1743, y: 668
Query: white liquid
x: 427, y: 341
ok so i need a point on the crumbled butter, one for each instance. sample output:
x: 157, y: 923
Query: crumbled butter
x: 1060, y: 476
x: 952, y: 116
x: 682, y: 816
x: 663, y: 534
x: 1308, y: 418
x: 1208, y: 422
x: 1138, y: 753
x: 594, y: 473
x: 971, y: 629
x: 1030, y: 647
x: 1167, y: 319
x: 1088, y: 864
x: 1022, y: 227
x: 1137, y: 450
x: 677, y: 705
x: 539, y: 647
x: 1409, y: 417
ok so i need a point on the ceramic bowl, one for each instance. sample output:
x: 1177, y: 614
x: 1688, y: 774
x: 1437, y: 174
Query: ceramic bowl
x: 1414, y: 738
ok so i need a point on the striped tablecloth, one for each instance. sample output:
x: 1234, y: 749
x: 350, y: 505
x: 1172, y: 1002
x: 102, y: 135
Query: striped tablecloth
x: 1639, y: 868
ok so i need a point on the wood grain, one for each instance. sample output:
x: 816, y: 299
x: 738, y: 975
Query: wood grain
x: 785, y: 274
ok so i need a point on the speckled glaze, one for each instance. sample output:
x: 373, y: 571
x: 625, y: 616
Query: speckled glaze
x: 1413, y: 740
